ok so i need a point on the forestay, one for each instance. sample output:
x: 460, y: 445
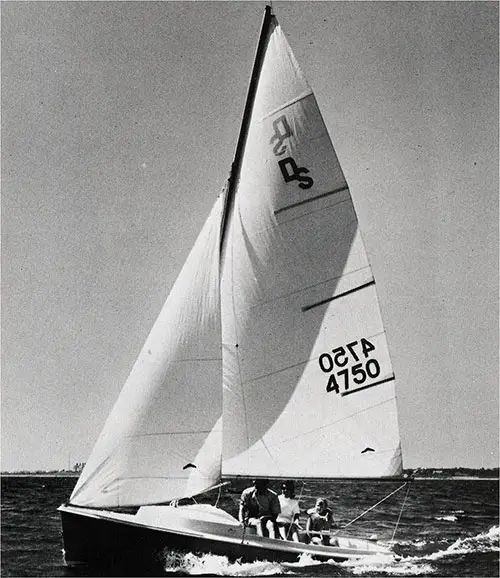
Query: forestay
x: 308, y: 383
x: 162, y: 439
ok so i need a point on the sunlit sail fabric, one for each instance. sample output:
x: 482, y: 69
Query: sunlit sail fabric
x: 162, y: 439
x: 269, y: 357
x: 308, y: 383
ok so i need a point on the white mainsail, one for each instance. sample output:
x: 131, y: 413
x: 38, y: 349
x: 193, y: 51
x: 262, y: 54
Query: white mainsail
x: 308, y: 383
x: 162, y: 439
x: 269, y: 357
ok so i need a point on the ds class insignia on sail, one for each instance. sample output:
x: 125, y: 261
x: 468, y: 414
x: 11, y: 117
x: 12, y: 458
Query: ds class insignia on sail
x: 275, y: 311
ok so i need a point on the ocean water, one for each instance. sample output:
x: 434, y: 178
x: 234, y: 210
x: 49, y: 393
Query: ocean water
x: 447, y: 528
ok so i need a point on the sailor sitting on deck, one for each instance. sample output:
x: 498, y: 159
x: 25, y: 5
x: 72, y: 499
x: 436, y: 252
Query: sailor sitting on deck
x: 288, y: 519
x: 319, y: 524
x: 259, y: 508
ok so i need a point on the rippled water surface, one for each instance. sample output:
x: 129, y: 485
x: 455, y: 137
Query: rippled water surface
x: 447, y: 528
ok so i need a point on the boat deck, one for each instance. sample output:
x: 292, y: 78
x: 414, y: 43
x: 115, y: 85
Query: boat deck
x: 155, y: 530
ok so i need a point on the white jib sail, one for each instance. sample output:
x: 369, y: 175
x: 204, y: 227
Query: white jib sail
x: 162, y: 439
x: 308, y: 383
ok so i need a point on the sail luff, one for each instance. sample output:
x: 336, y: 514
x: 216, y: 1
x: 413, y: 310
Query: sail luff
x: 243, y: 133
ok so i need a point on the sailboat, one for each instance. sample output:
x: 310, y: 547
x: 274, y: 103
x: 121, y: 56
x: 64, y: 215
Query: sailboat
x: 268, y: 360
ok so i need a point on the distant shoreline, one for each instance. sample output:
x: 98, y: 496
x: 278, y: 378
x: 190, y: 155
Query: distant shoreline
x: 456, y: 478
x: 76, y: 475
x: 41, y: 475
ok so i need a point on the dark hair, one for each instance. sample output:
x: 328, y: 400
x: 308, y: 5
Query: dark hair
x: 261, y: 483
x: 290, y: 486
x: 322, y: 501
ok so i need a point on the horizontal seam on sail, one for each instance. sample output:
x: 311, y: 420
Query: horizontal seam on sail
x: 169, y: 477
x: 329, y: 299
x: 289, y: 103
x: 335, y: 422
x: 372, y: 335
x: 379, y: 451
x: 348, y: 392
x: 318, y: 210
x: 311, y: 286
x: 170, y: 433
x: 197, y: 359
x: 276, y: 372
x: 292, y: 366
x: 305, y: 201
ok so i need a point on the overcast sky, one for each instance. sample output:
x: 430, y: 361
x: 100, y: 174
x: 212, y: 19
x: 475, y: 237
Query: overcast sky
x: 119, y: 123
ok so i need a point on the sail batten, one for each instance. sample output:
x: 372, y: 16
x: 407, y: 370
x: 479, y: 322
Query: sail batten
x: 312, y: 199
x: 339, y: 295
x: 173, y: 433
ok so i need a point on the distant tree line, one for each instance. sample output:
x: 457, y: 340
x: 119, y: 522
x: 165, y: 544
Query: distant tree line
x: 77, y: 468
x: 450, y: 472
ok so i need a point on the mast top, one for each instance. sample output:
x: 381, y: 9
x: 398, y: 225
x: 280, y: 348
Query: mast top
x: 240, y: 145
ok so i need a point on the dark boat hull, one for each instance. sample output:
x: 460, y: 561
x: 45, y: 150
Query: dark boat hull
x: 128, y: 547
x: 105, y: 545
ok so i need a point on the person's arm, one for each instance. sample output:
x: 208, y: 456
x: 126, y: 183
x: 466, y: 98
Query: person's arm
x: 296, y: 515
x: 309, y: 528
x: 333, y: 523
x: 296, y: 521
x: 275, y: 508
x: 243, y: 511
x: 330, y: 519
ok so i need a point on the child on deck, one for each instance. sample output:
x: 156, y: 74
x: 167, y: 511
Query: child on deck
x: 319, y: 524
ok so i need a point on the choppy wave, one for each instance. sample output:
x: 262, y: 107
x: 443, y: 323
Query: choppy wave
x: 485, y: 542
x: 422, y: 565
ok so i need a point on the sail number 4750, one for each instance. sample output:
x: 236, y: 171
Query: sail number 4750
x: 341, y: 357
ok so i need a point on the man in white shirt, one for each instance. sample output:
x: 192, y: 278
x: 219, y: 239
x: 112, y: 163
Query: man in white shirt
x: 288, y: 519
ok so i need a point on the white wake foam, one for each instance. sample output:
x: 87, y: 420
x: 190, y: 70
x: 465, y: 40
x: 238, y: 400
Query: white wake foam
x: 388, y: 565
x: 203, y: 564
x: 485, y: 542
x: 210, y: 564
